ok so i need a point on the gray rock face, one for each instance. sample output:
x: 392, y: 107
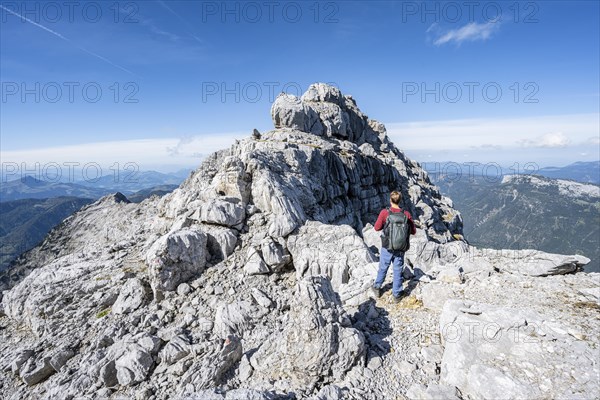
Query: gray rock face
x: 497, y: 353
x: 261, y: 264
x: 38, y: 372
x: 435, y: 295
x: 220, y: 241
x: 372, y: 238
x: 19, y: 359
x: 289, y: 111
x: 261, y: 298
x: 133, y: 366
x: 232, y: 319
x: 458, y: 255
x: 209, y: 370
x: 255, y: 265
x: 60, y: 358
x: 537, y: 263
x: 175, y: 350
x: 132, y: 296
x: 126, y: 362
x: 235, y: 394
x: 274, y: 254
x: 357, y: 290
x: 333, y: 251
x: 315, y: 340
x: 176, y: 257
x: 221, y: 212
x: 321, y: 92
x: 420, y: 392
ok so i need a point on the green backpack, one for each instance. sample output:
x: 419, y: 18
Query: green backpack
x: 396, y: 232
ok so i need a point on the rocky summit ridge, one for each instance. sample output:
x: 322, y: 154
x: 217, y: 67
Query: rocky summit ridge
x: 250, y: 281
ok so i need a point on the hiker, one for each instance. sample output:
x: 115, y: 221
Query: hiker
x: 397, y: 226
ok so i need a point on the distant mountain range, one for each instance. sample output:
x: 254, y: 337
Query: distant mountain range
x: 520, y: 212
x: 128, y: 183
x: 28, y: 187
x: 26, y: 221
x: 143, y: 194
x: 585, y: 172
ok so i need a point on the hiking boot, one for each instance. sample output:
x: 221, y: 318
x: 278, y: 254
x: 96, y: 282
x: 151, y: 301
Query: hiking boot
x: 399, y: 297
x: 376, y: 292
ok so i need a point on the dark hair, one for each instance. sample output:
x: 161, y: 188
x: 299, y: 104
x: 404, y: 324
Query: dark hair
x: 396, y: 197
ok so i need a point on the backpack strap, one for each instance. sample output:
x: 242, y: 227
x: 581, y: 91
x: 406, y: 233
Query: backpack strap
x: 387, y: 220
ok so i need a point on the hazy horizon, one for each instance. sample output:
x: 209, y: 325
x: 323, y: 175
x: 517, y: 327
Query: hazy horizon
x: 160, y: 84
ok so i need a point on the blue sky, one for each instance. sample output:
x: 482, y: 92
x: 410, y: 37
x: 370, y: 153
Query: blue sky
x: 161, y: 67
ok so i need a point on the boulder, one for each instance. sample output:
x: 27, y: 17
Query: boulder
x: 278, y: 201
x: 19, y: 359
x: 331, y: 250
x: 132, y: 296
x: 450, y: 274
x: 274, y: 254
x: 38, y: 372
x: 222, y: 212
x: 322, y: 92
x: 220, y: 241
x: 108, y: 374
x: 335, y: 121
x: 357, y: 290
x: 231, y: 180
x: 261, y: 298
x: 176, y: 257
x: 245, y: 369
x: 133, y: 366
x: 316, y: 342
x: 255, y: 264
x: 175, y: 350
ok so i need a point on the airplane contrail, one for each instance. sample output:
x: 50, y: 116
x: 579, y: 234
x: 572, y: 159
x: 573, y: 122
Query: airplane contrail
x: 190, y: 32
x: 68, y: 40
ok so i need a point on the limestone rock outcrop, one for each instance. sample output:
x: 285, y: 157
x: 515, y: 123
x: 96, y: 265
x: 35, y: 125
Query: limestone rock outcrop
x: 251, y: 280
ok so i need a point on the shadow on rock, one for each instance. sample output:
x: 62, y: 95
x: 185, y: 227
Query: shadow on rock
x: 374, y: 323
x: 410, y: 280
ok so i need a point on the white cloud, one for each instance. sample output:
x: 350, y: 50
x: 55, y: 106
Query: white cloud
x: 549, y: 141
x: 494, y: 134
x: 594, y: 140
x: 490, y: 139
x: 471, y: 32
x: 146, y: 153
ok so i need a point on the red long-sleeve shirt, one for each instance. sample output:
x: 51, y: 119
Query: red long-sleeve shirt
x: 383, y: 217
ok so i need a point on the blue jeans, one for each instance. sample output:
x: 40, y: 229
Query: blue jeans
x: 385, y: 259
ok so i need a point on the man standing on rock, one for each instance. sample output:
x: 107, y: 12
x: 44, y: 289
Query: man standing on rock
x: 397, y: 226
